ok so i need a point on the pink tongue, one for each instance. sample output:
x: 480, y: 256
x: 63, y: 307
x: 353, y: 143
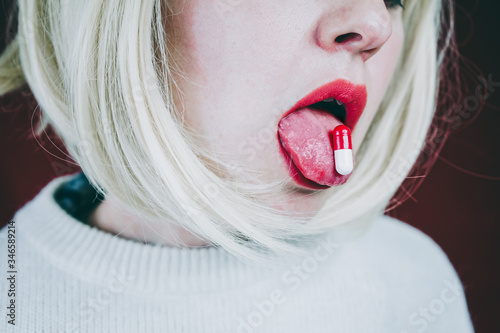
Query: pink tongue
x: 305, y: 136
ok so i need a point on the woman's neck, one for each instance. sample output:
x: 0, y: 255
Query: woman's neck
x: 112, y: 217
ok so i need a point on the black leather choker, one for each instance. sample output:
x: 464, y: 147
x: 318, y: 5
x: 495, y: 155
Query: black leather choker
x: 78, y: 197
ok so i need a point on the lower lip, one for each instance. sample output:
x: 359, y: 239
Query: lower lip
x: 354, y: 109
x: 295, y: 173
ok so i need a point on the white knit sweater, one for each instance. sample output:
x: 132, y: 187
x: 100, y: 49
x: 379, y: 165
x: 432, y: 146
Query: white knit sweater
x: 74, y: 278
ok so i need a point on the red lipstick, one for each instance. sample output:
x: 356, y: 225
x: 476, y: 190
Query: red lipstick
x: 351, y: 95
x: 304, y: 136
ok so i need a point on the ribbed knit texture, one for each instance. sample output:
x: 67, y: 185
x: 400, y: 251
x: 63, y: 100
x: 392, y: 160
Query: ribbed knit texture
x: 74, y: 278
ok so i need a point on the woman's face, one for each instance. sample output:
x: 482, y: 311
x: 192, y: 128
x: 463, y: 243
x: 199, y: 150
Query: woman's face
x: 247, y: 63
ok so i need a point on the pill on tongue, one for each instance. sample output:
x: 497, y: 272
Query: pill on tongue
x: 342, y: 149
x: 305, y: 135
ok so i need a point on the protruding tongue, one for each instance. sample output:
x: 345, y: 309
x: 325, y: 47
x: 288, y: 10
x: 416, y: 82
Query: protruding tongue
x: 304, y: 134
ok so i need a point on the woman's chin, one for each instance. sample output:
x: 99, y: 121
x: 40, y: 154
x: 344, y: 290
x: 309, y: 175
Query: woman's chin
x: 300, y: 202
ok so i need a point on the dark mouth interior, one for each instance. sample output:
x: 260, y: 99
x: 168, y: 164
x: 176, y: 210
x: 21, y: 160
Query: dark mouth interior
x: 333, y: 108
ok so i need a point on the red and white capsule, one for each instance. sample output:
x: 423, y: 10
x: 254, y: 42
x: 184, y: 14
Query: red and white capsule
x: 342, y: 149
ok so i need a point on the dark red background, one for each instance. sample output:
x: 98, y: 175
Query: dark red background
x: 457, y: 204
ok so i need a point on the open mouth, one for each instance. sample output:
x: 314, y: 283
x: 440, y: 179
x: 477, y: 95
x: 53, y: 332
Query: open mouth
x: 305, y: 132
x: 333, y: 107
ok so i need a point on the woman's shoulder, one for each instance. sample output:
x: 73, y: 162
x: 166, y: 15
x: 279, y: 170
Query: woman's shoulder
x: 408, y: 240
x: 391, y: 243
x: 422, y: 286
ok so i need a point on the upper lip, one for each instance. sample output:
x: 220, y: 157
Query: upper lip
x: 351, y: 95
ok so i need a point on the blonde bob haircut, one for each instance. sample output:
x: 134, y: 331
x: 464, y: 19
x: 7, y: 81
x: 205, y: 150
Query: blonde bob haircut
x: 102, y: 74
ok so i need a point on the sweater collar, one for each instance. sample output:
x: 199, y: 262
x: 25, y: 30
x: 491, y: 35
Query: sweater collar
x: 104, y: 258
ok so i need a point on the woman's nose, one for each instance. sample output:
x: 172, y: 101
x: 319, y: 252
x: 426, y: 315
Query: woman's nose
x: 359, y: 26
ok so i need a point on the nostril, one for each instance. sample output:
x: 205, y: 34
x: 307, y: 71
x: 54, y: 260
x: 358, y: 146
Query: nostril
x: 350, y: 37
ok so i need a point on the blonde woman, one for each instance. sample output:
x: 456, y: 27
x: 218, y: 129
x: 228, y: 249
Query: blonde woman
x: 212, y: 198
